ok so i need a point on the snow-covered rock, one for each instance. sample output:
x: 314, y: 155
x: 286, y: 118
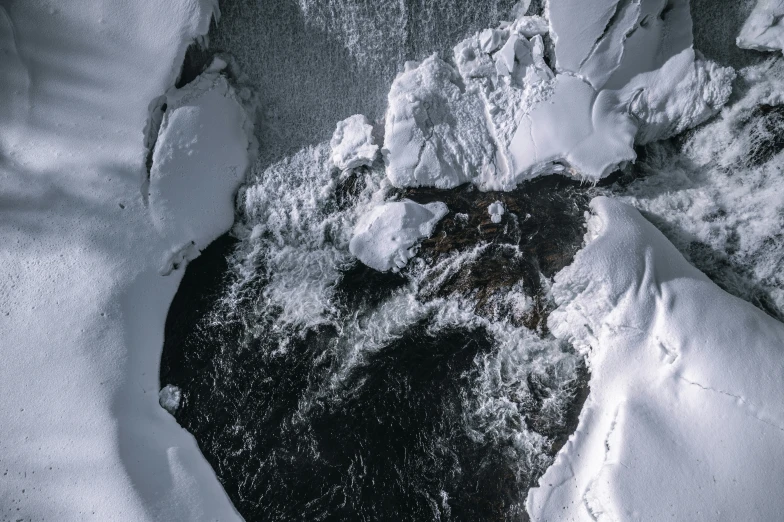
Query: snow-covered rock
x: 353, y: 143
x: 764, y: 28
x: 200, y: 158
x: 387, y: 237
x: 496, y: 211
x: 629, y: 75
x: 169, y: 398
x: 435, y: 133
x: 679, y: 423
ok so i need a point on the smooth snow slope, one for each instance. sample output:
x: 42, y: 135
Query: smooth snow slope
x: 684, y: 419
x: 82, y: 302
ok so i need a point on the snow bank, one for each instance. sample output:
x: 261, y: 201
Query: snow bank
x: 353, y: 143
x: 629, y: 75
x: 764, y: 29
x: 82, y: 303
x: 386, y: 237
x: 719, y: 198
x: 679, y: 422
x: 200, y: 159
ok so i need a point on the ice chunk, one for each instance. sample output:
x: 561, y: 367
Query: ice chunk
x: 679, y: 422
x: 435, y: 131
x: 496, y: 211
x: 764, y: 29
x: 201, y: 155
x: 530, y: 26
x: 386, y: 238
x: 352, y: 143
x: 169, y: 398
x: 637, y: 82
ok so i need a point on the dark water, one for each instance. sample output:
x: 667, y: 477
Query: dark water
x: 395, y: 438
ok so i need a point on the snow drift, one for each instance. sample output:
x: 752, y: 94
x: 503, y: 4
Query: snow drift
x: 82, y: 302
x: 679, y: 422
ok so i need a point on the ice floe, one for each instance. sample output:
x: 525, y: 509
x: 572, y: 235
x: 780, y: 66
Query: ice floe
x: 386, y: 238
x: 679, y: 422
x: 353, y: 143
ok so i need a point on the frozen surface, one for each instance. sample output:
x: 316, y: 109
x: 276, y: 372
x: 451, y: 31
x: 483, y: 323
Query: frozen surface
x: 719, y: 197
x: 496, y: 211
x: 435, y: 131
x: 679, y: 422
x: 82, y: 303
x: 764, y: 29
x: 353, y: 143
x: 169, y: 398
x: 200, y: 158
x: 630, y: 75
x: 386, y: 238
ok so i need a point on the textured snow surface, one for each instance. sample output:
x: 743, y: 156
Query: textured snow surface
x: 719, y: 197
x: 386, y: 238
x: 679, y: 423
x: 629, y: 75
x: 82, y: 303
x: 200, y: 158
x: 353, y: 143
x: 764, y: 28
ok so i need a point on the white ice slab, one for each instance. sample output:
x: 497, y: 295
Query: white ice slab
x: 387, y: 237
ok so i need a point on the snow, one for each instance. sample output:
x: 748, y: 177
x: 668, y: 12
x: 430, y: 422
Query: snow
x: 353, y: 143
x: 169, y: 398
x: 83, y: 303
x: 630, y: 75
x: 386, y: 237
x: 718, y: 197
x: 435, y: 134
x: 764, y: 30
x: 199, y: 161
x: 679, y: 422
x: 496, y: 211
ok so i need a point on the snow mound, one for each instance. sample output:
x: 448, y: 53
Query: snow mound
x: 169, y: 398
x: 200, y: 159
x: 629, y: 76
x: 352, y: 143
x: 764, y: 29
x: 496, y: 211
x: 386, y: 238
x: 435, y: 134
x: 679, y: 423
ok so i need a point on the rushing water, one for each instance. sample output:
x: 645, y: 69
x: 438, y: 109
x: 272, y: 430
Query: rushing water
x: 319, y: 389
